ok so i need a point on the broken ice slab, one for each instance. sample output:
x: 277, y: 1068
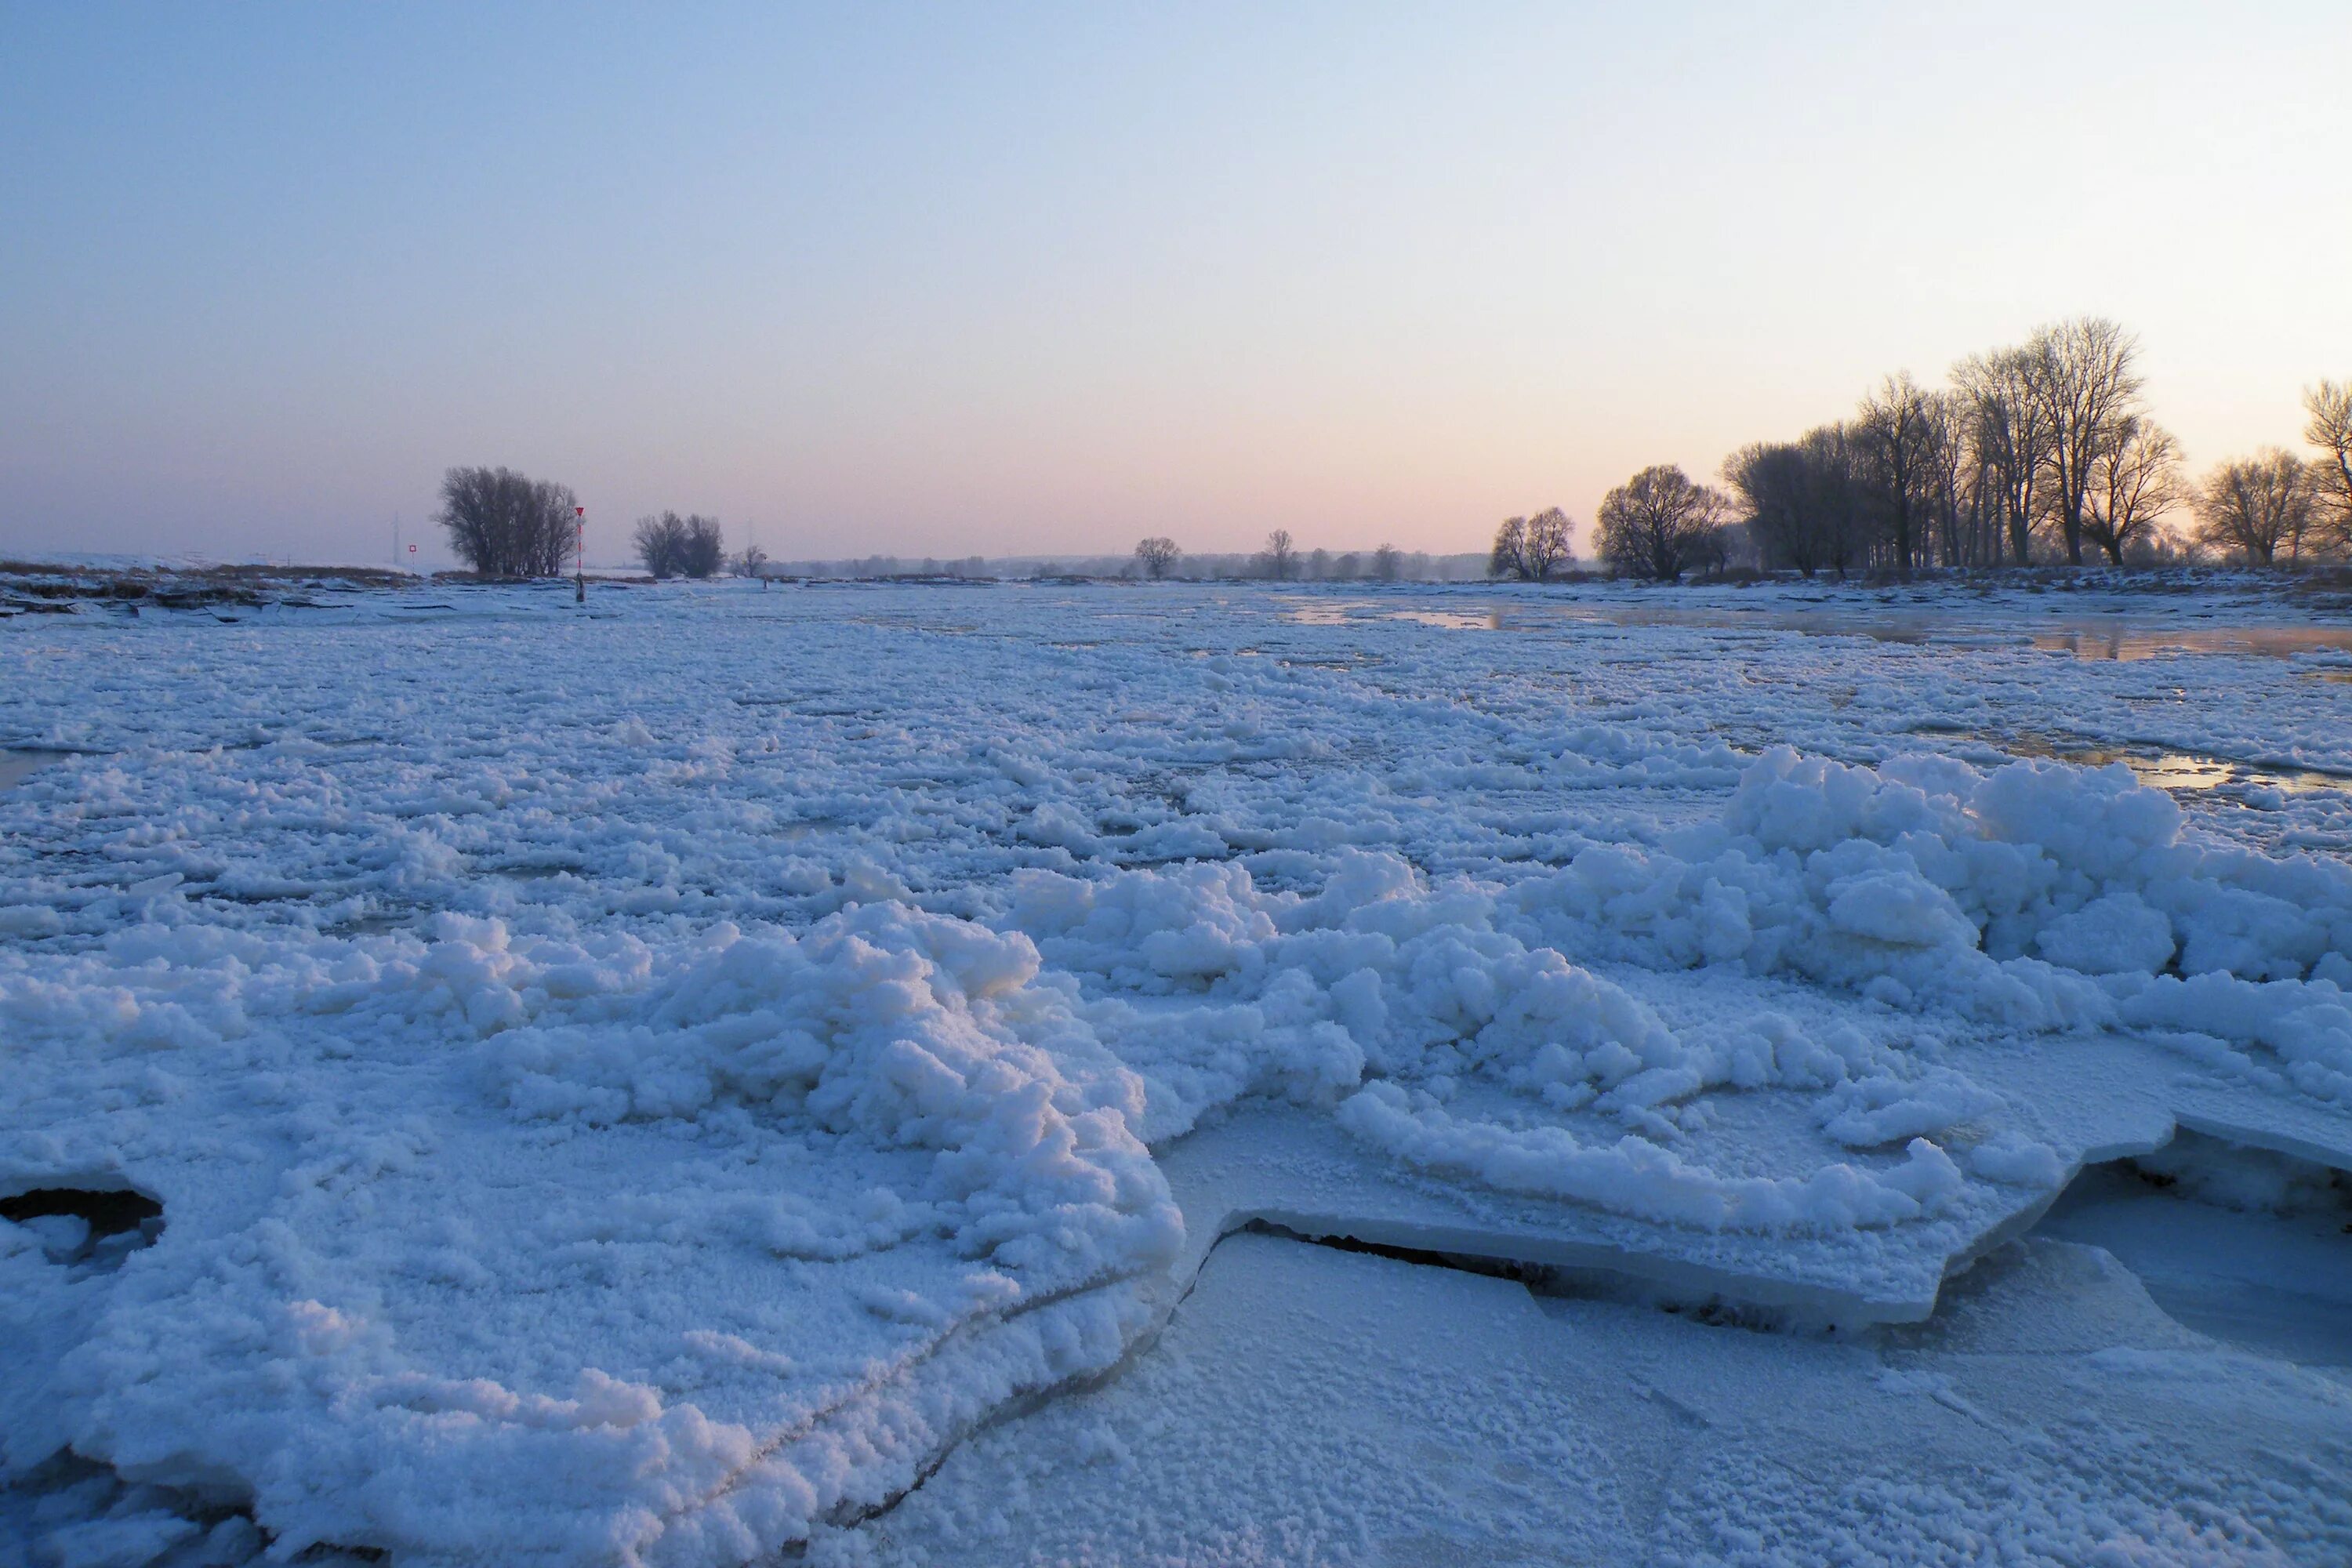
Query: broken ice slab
x: 2093, y: 1097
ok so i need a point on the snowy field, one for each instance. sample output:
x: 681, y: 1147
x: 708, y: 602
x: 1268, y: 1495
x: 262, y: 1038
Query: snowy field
x: 1172, y: 1074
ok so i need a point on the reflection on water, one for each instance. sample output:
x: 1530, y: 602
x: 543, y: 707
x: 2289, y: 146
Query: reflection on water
x: 2118, y: 640
x: 1458, y: 620
x: 2178, y: 769
x: 1327, y: 611
x: 1318, y: 612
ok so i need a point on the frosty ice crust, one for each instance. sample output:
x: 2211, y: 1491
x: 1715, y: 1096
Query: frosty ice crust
x: 671, y: 1238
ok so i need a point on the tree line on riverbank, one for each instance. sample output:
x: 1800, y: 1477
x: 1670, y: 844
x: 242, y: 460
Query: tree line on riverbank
x: 2039, y: 453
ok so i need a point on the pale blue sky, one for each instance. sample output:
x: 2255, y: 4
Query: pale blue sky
x: 997, y: 278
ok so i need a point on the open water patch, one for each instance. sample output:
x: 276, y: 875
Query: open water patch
x: 18, y: 763
x: 2176, y: 771
x: 2120, y: 638
x: 93, y: 1226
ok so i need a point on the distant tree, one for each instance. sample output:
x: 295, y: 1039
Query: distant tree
x: 2330, y: 406
x: 503, y: 524
x: 1387, y: 563
x: 1279, y: 558
x: 704, y: 549
x: 1837, y: 497
x: 2010, y: 432
x: 1948, y: 533
x: 1349, y: 568
x: 752, y: 562
x: 1802, y: 502
x: 1510, y: 556
x: 1711, y: 549
x: 1157, y: 556
x: 1768, y: 480
x: 660, y: 543
x: 2134, y: 483
x: 2254, y: 506
x: 1650, y: 525
x: 1894, y: 431
x: 2085, y: 374
x: 1548, y: 547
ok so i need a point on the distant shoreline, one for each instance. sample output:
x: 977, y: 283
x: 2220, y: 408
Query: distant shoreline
x: 32, y: 584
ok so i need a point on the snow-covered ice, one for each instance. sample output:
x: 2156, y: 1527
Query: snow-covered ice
x: 658, y: 1085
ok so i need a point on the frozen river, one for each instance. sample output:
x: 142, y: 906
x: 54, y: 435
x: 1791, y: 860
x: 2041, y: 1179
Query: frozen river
x: 1172, y: 1073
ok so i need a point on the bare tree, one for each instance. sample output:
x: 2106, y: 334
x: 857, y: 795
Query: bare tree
x: 2085, y: 376
x: 1279, y: 558
x: 752, y: 562
x: 1952, y: 529
x: 2010, y: 431
x: 1803, y: 502
x: 2330, y: 406
x: 1839, y: 500
x: 1548, y: 546
x: 2252, y: 506
x: 2134, y: 482
x: 1977, y: 481
x: 1510, y: 556
x: 704, y: 548
x: 1650, y: 525
x: 1769, y: 481
x: 503, y: 524
x: 1894, y: 432
x: 1387, y: 563
x: 675, y: 546
x: 660, y: 543
x: 1157, y: 556
x: 1711, y: 549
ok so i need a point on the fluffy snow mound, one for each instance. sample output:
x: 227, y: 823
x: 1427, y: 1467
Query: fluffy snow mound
x: 555, y: 1296
x: 2037, y: 896
x: 1300, y: 994
x: 900, y: 1030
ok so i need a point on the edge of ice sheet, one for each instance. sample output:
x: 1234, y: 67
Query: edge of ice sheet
x: 1298, y: 1170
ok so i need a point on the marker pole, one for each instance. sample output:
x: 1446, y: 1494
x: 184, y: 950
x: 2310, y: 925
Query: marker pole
x: 580, y: 554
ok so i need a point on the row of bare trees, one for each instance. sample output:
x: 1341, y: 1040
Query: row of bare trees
x: 2275, y: 504
x: 1157, y: 558
x: 502, y: 523
x: 675, y: 546
x: 2041, y: 450
x: 1657, y: 524
x: 1532, y: 548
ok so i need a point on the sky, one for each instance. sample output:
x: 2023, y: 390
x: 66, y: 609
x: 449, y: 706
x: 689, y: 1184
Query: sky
x: 1030, y: 278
